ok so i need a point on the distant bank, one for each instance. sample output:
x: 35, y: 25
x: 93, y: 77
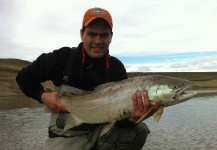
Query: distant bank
x: 10, y: 67
x: 12, y: 97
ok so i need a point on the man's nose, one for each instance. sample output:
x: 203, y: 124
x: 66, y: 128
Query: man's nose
x: 97, y: 39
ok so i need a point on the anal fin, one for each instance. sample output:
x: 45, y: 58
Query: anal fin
x: 107, y: 128
x: 67, y: 121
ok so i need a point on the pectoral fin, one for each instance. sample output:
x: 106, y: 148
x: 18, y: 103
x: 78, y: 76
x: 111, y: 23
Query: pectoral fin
x: 144, y: 116
x: 158, y: 114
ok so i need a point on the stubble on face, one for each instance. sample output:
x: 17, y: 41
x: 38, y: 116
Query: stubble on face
x: 96, y: 38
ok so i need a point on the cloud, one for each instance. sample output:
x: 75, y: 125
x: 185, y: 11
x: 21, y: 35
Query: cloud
x: 200, y: 64
x: 146, y: 27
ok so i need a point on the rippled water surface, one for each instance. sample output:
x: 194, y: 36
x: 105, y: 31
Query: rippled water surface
x: 23, y: 129
x: 187, y: 126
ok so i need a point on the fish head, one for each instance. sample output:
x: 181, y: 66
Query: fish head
x: 170, y: 90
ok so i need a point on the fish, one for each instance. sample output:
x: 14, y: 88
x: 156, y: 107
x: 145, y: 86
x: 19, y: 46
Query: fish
x: 112, y: 101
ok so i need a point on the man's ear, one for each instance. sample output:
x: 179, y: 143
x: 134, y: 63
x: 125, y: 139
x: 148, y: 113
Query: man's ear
x: 111, y: 36
x: 81, y: 33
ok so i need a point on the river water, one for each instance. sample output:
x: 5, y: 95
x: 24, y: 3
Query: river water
x: 191, y: 125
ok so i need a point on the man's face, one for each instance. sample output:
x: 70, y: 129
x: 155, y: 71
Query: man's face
x: 96, y: 38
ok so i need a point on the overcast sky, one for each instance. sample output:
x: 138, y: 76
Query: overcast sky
x: 141, y: 27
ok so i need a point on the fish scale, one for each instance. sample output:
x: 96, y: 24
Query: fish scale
x: 113, y: 101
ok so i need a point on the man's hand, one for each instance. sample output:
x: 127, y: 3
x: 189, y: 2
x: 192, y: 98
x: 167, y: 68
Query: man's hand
x: 50, y: 99
x: 141, y: 108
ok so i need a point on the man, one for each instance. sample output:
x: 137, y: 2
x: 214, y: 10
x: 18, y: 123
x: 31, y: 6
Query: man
x: 90, y: 65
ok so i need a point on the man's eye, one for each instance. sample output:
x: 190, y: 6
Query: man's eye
x: 92, y: 34
x: 105, y: 35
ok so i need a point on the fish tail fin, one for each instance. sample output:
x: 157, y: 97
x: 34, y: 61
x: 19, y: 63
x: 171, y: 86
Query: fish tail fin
x: 158, y: 114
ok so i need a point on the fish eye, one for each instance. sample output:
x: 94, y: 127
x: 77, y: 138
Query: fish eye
x: 175, y: 86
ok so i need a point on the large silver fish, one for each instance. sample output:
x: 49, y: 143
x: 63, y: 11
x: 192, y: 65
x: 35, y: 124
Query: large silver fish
x: 113, y: 101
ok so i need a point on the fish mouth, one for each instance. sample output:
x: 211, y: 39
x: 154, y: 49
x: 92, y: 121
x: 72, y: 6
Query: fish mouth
x: 184, y: 95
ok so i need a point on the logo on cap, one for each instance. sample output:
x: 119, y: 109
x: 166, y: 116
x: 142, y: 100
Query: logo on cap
x: 98, y: 11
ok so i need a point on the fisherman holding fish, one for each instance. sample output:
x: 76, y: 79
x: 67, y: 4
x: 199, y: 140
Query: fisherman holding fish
x: 85, y: 67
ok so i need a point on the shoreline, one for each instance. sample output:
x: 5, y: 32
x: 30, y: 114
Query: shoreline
x: 11, y: 96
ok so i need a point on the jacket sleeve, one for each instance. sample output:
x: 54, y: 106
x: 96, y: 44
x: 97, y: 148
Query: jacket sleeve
x: 45, y: 67
x: 117, y: 70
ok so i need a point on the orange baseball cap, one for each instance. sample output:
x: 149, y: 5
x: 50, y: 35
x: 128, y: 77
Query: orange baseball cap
x: 94, y: 13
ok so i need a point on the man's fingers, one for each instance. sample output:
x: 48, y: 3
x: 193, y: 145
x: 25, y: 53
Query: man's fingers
x: 60, y: 107
x: 140, y: 101
x: 59, y: 94
x: 60, y: 110
x: 155, y: 108
x: 147, y: 103
x: 142, y: 106
x: 135, y: 105
x: 157, y: 105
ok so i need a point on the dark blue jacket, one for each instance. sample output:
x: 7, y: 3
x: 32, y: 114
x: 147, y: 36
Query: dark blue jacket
x: 86, y: 75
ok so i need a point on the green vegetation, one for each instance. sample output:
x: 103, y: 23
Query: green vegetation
x: 12, y: 65
x: 193, y: 76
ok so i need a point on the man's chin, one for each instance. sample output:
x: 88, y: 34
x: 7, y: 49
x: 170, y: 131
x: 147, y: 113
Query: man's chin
x: 96, y: 55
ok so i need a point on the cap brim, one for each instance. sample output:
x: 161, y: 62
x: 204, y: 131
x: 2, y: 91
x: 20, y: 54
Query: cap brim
x: 90, y: 20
